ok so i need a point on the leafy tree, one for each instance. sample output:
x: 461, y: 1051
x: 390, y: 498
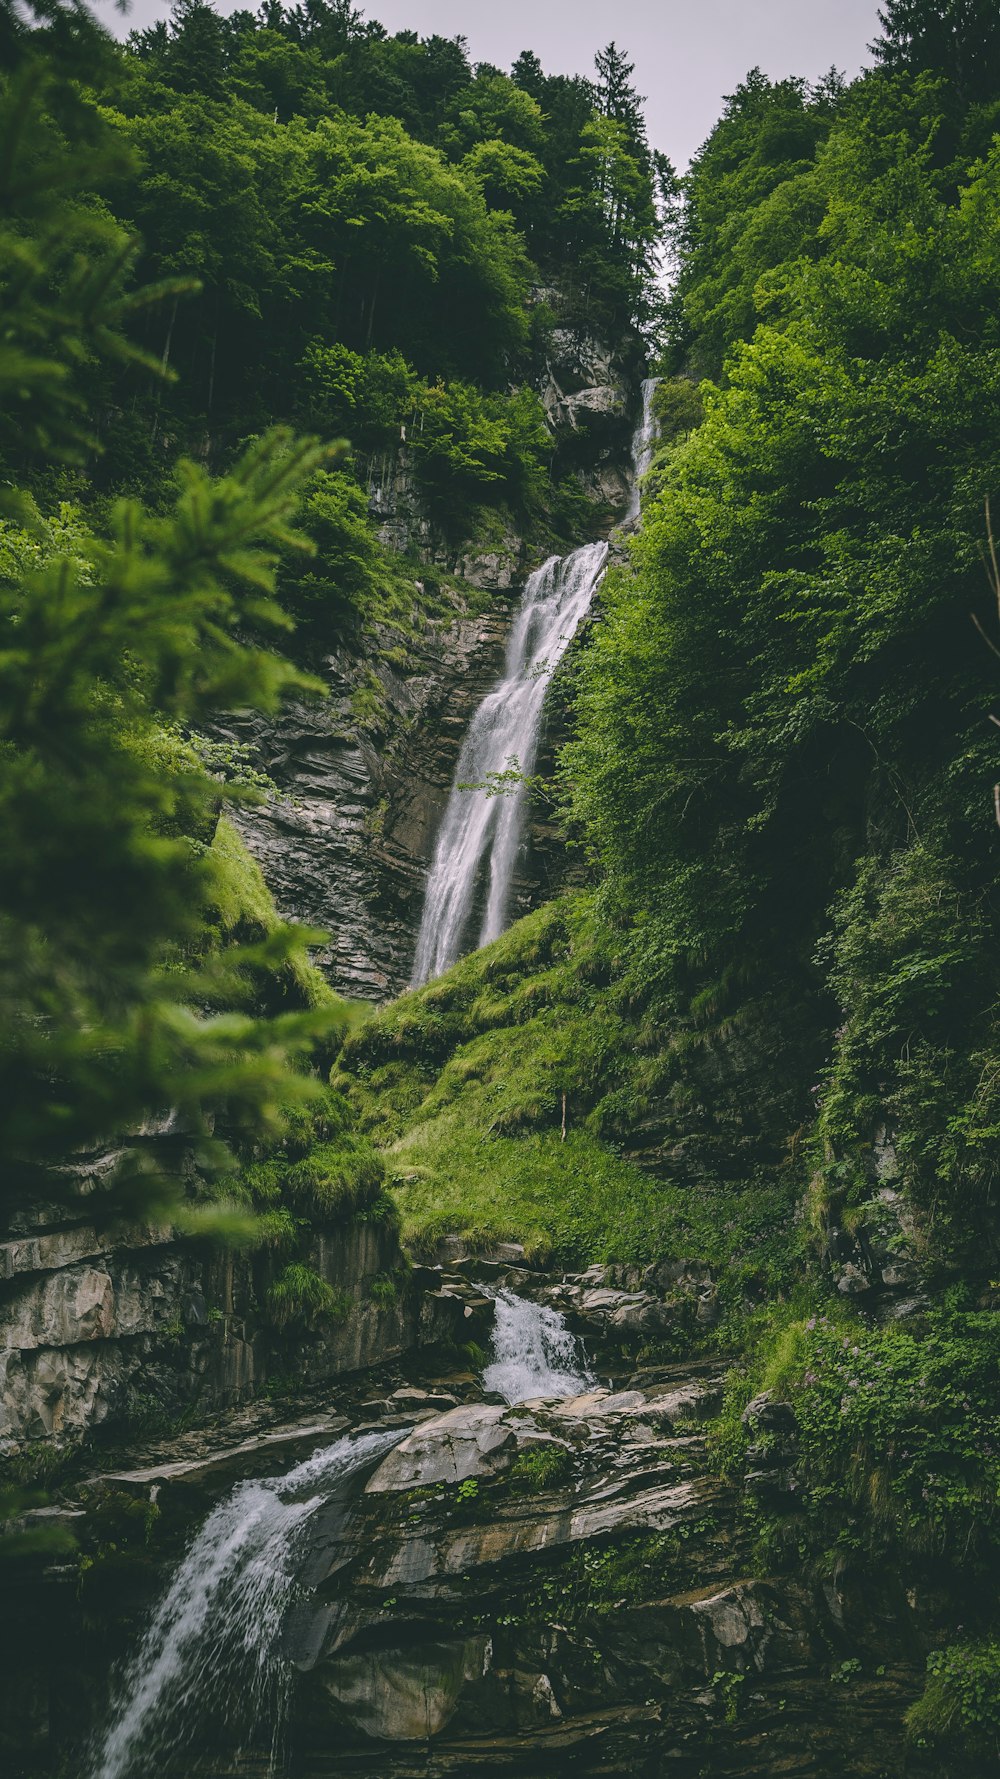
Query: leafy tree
x: 752, y: 201
x: 120, y: 997
x: 492, y: 108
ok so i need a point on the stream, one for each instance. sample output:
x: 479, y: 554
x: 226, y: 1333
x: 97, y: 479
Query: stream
x: 211, y: 1666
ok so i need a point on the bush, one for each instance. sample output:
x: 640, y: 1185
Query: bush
x: 300, y: 1295
x: 961, y: 1700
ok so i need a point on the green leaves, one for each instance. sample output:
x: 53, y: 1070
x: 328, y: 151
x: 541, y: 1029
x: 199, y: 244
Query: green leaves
x: 104, y: 896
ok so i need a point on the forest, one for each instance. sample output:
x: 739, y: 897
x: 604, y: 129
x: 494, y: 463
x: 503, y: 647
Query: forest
x: 266, y: 280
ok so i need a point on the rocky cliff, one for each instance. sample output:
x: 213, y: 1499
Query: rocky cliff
x: 554, y: 1586
x: 362, y: 776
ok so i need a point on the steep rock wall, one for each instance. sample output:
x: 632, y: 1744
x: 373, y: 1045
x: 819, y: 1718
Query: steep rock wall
x: 346, y: 843
x: 114, y: 1325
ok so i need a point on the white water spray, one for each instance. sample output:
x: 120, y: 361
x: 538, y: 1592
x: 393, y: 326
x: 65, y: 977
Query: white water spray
x: 534, y: 1353
x: 211, y: 1659
x: 472, y: 871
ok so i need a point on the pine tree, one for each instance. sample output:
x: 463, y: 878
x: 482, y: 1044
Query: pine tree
x: 959, y: 39
x: 616, y: 97
x: 528, y: 74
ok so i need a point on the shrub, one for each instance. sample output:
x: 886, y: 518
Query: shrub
x: 541, y: 1467
x: 300, y: 1295
x: 961, y: 1700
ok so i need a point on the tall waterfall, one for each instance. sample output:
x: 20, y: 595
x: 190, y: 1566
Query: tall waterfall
x: 211, y: 1660
x: 642, y: 446
x: 477, y: 828
x: 534, y: 1353
x: 480, y: 835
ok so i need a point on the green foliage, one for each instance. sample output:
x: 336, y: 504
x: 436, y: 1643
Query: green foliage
x: 465, y: 445
x: 539, y: 1468
x: 898, y: 1436
x: 300, y: 1295
x: 960, y: 1704
x: 678, y: 407
x: 751, y: 202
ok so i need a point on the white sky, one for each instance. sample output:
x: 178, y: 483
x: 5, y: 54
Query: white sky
x: 688, y: 53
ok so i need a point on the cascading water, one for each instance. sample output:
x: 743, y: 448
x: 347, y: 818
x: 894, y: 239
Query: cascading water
x: 642, y: 446
x: 211, y: 1660
x: 480, y: 835
x: 504, y: 729
x: 211, y: 1671
x: 534, y: 1353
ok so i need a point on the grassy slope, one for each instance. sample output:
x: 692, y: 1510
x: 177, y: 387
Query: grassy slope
x: 465, y: 1084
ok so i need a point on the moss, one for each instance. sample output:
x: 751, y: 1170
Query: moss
x: 499, y: 1095
x: 244, y: 906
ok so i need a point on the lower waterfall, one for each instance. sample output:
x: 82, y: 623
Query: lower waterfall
x: 534, y: 1353
x: 210, y: 1662
x: 211, y: 1670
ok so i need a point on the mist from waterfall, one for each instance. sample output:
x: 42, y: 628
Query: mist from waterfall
x: 467, y: 899
x: 211, y: 1660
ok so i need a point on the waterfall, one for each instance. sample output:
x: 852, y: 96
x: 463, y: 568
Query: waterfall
x: 534, y: 1353
x: 477, y: 828
x: 642, y: 446
x: 211, y: 1658
x: 480, y: 835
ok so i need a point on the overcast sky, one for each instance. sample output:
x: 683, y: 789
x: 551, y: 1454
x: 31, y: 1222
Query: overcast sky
x: 687, y: 53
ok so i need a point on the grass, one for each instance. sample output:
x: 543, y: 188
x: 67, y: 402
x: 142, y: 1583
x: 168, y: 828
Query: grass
x: 497, y: 1096
x: 300, y: 1295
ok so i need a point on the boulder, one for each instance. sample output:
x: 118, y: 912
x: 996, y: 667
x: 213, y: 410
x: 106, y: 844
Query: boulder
x: 475, y: 1440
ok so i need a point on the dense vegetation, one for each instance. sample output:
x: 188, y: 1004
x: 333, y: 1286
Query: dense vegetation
x: 782, y: 996
x: 767, y: 1040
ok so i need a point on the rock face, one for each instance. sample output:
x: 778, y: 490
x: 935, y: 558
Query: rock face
x: 346, y: 843
x: 125, y: 1324
x: 559, y: 1587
